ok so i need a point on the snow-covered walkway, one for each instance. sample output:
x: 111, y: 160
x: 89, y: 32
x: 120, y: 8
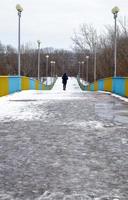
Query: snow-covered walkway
x: 22, y: 105
x: 72, y: 85
x: 63, y: 145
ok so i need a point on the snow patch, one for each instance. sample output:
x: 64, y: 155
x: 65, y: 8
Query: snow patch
x: 115, y: 95
x: 88, y: 124
x: 124, y: 141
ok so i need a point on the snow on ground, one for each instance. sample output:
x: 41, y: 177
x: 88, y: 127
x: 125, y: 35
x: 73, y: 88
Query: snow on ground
x: 22, y: 105
x: 84, y: 82
x: 72, y: 85
x: 115, y: 95
x: 63, y: 145
x: 48, y: 80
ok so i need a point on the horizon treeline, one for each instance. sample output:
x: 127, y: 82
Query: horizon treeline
x: 85, y: 42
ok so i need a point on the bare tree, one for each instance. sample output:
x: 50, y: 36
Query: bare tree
x: 86, y: 38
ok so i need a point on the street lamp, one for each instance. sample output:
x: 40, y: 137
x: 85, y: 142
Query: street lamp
x: 87, y: 57
x: 79, y: 69
x: 82, y: 71
x: 54, y: 68
x: 47, y: 56
x: 19, y: 9
x: 115, y: 11
x: 52, y: 65
x: 95, y: 62
x: 38, y: 42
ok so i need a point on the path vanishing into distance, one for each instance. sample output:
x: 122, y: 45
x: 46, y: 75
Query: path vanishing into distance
x: 62, y: 145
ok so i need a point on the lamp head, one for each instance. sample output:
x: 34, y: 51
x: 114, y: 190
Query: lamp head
x: 19, y: 8
x: 115, y: 10
x: 87, y: 57
x: 47, y: 56
x: 38, y: 41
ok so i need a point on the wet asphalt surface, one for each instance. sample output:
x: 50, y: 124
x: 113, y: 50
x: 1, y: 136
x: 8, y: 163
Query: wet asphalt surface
x: 77, y: 149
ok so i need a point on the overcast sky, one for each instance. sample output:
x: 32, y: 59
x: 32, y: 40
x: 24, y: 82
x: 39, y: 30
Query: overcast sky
x: 54, y: 21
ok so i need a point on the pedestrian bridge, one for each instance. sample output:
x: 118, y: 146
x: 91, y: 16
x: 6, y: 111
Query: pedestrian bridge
x: 11, y: 84
x: 116, y: 85
x: 62, y: 145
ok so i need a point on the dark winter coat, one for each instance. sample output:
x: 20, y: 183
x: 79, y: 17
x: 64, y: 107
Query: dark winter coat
x: 64, y: 78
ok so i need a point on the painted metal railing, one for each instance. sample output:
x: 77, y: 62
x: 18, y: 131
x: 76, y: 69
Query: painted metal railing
x: 117, y: 85
x: 11, y: 84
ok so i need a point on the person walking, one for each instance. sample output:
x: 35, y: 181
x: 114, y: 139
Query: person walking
x: 64, y: 80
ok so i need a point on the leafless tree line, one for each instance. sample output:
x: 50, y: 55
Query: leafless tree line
x: 65, y: 61
x: 84, y: 43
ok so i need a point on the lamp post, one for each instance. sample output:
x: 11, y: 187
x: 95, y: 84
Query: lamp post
x: 95, y: 62
x: 87, y: 57
x: 54, y: 73
x: 47, y: 56
x: 38, y: 42
x: 51, y: 62
x: 19, y: 9
x: 115, y: 11
x: 82, y: 70
x: 79, y: 69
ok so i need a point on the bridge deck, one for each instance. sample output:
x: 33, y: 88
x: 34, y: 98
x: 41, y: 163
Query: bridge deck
x: 63, y: 145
